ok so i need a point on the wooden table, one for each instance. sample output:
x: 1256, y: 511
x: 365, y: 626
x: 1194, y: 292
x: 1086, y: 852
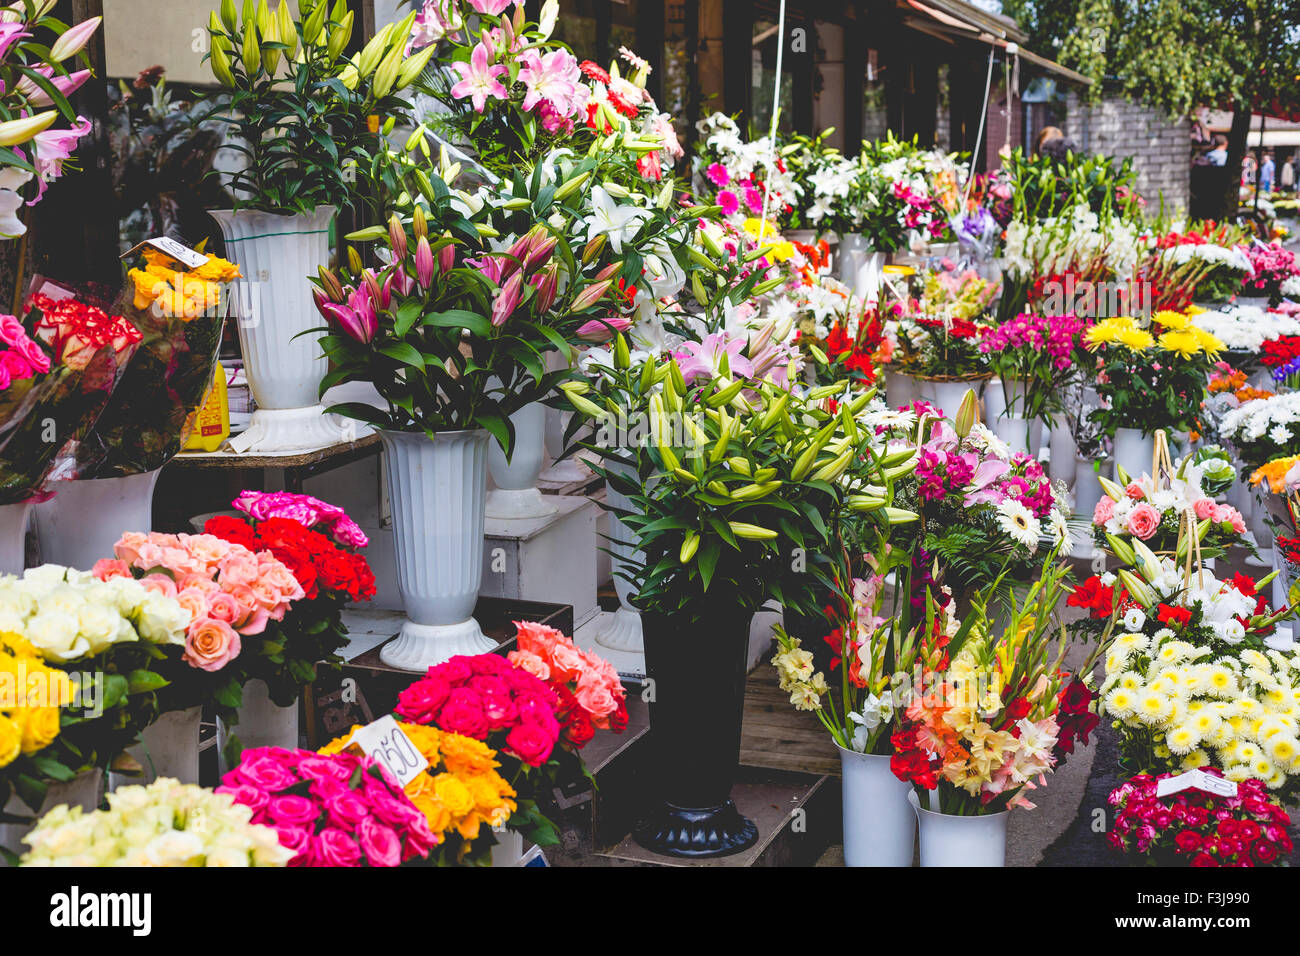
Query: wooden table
x: 297, y: 466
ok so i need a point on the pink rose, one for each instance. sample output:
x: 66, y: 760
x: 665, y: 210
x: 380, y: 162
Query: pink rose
x: 463, y: 714
x: 1204, y: 509
x: 259, y: 768
x: 296, y: 839
x: 346, y: 809
x: 160, y: 584
x: 379, y: 843
x: 224, y: 607
x: 255, y: 798
x: 421, y: 701
x: 106, y: 568
x: 1134, y: 491
x: 566, y: 662
x: 538, y: 638
x: 210, y: 644
x: 1143, y: 521
x: 595, y: 698
x: 293, y: 811
x: 128, y: 547
x: 530, y: 743
x: 239, y: 566
x: 530, y: 662
x: 334, y: 847
x: 1104, y: 511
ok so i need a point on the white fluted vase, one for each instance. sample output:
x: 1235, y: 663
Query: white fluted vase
x: 275, y: 255
x: 860, y: 266
x: 879, y: 826
x: 1060, y: 451
x: 947, y: 396
x: 437, y: 488
x: 86, y: 516
x: 951, y: 840
x: 516, y: 494
x: 621, y: 631
x: 13, y: 536
x: 900, y: 389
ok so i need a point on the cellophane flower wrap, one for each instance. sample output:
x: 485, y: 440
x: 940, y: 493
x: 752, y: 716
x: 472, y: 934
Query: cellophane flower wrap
x: 336, y: 810
x: 235, y: 598
x: 180, y: 314
x: 325, y: 564
x: 59, y: 370
x: 164, y: 824
x: 1195, y: 828
x: 514, y: 712
x: 459, y: 792
x: 1156, y: 510
x: 103, y: 646
x: 591, y: 694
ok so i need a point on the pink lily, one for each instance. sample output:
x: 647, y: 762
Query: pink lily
x: 547, y: 282
x: 981, y: 491
x: 51, y: 148
x: 357, y: 317
x: 67, y: 85
x: 507, y: 299
x: 423, y: 263
x: 602, y: 330
x: 10, y: 33
x: 447, y: 257
x: 74, y: 39
x: 478, y: 78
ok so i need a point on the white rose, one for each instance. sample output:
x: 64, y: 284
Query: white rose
x: 55, y: 634
x: 98, y: 625
x: 175, y: 848
x: 227, y: 856
x: 162, y: 620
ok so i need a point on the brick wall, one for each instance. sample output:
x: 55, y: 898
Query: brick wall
x: 1161, y: 148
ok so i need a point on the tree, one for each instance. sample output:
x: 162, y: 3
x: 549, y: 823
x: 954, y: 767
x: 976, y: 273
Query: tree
x: 1242, y: 55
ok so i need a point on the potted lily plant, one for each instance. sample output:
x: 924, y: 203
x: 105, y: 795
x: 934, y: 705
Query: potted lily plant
x: 740, y: 494
x: 299, y: 110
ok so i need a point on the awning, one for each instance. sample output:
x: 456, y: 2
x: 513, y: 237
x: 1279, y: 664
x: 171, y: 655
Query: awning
x: 961, y: 20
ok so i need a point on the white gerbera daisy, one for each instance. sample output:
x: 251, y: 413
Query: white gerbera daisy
x: 1019, y: 522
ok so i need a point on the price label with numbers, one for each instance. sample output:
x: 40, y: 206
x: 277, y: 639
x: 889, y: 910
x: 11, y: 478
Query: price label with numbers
x: 1200, y: 780
x: 386, y: 742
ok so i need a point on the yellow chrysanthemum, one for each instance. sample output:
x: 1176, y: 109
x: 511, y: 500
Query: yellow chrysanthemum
x: 1135, y: 340
x: 1171, y: 320
x: 1185, y: 343
x: 1211, y: 344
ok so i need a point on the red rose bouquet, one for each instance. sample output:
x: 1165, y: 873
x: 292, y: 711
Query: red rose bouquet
x: 330, y: 574
x: 590, y: 692
x: 1194, y: 828
x: 338, y: 810
x: 514, y: 712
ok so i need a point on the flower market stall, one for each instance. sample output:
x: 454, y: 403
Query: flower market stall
x: 513, y: 470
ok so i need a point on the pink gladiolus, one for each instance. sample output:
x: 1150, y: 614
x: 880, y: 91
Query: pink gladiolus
x: 507, y: 299
x: 478, y: 79
x: 423, y: 263
x: 602, y: 330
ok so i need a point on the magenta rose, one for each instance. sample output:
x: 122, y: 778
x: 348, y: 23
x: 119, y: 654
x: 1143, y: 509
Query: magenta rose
x: 346, y: 809
x: 541, y: 712
x: 379, y: 843
x: 530, y: 743
x: 252, y: 797
x: 463, y: 714
x: 1143, y: 521
x: 422, y: 700
x: 334, y: 847
x: 499, y: 710
x: 323, y: 768
x: 263, y: 771
x: 293, y: 811
x: 296, y: 839
x: 455, y: 671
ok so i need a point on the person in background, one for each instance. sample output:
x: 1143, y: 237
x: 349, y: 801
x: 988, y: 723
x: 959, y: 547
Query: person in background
x: 1287, y: 177
x: 1248, y: 170
x: 1046, y: 135
x: 1266, y: 171
x: 1218, y: 156
x: 1059, y: 147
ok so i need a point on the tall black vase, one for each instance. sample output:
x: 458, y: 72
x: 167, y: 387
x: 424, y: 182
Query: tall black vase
x: 698, y: 700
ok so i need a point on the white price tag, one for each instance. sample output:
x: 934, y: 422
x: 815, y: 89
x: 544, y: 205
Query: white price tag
x: 1198, y: 779
x: 386, y: 742
x: 181, y: 253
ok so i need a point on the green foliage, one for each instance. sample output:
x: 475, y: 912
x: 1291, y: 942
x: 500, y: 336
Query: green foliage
x: 1043, y: 187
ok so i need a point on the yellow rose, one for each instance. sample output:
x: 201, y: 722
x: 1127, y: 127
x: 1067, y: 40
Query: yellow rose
x: 41, y: 728
x: 453, y: 794
x: 11, y: 740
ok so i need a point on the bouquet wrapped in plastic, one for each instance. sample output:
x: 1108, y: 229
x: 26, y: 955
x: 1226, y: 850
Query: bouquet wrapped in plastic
x: 177, y: 300
x: 57, y: 373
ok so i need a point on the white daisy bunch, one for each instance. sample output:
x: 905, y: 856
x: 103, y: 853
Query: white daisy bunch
x: 1229, y: 257
x: 1263, y: 428
x: 1181, y: 705
x: 1246, y: 327
x: 164, y: 824
x: 69, y: 615
x: 1291, y: 287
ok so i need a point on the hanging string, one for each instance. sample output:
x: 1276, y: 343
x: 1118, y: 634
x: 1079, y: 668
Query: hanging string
x: 979, y: 136
x: 776, y: 113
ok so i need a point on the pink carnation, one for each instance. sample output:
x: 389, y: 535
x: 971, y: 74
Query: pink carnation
x: 1104, y: 511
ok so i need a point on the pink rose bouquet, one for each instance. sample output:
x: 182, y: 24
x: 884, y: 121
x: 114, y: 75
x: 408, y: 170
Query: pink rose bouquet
x: 339, y: 810
x: 590, y: 692
x: 312, y: 513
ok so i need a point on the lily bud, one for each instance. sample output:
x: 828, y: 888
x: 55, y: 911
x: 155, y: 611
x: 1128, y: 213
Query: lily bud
x: 424, y: 264
x: 507, y: 299
x: 965, y: 418
x: 18, y: 131
x: 547, y: 288
x: 354, y: 259
x: 591, y: 295
x: 593, y: 249
x: 330, y: 282
x: 229, y: 18
x: 447, y: 256
x: 419, y: 223
x: 397, y: 237
x: 74, y: 40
